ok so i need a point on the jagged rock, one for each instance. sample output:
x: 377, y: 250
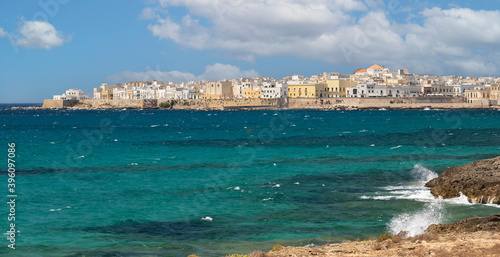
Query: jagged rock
x: 474, y: 224
x: 478, y: 181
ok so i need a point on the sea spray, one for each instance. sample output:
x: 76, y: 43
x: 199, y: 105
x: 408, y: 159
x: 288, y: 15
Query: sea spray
x: 422, y: 174
x: 414, y: 190
x: 414, y: 224
x: 432, y: 213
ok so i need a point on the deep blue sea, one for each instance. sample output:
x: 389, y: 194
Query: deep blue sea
x: 174, y: 183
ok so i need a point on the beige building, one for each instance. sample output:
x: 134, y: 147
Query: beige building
x: 478, y: 96
x: 307, y: 90
x: 396, y: 82
x: 437, y: 90
x: 495, y: 94
x: 218, y: 90
x: 337, y: 87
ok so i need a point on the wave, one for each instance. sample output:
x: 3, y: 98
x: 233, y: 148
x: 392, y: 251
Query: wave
x: 416, y: 222
x: 415, y: 190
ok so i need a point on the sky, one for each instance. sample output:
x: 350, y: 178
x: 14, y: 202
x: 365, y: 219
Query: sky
x: 49, y: 46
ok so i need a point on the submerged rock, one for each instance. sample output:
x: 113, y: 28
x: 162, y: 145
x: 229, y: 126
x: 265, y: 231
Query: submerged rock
x: 478, y: 181
x: 474, y: 224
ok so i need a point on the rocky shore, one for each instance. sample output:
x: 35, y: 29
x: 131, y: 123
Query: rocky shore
x: 473, y: 224
x: 476, y: 236
x: 478, y: 181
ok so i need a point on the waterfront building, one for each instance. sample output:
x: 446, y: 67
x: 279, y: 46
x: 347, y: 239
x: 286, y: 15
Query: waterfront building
x: 72, y: 94
x: 495, y: 93
x: 337, y: 87
x: 361, y: 90
x: 252, y: 92
x: 307, y: 90
x: 478, y: 96
x: 218, y: 90
x: 274, y: 90
x: 459, y: 89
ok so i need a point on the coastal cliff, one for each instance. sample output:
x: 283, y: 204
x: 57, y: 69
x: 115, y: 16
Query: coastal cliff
x: 478, y: 181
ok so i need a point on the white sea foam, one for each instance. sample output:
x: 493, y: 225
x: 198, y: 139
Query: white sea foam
x: 433, y: 212
x: 415, y: 190
x: 396, y: 147
x: 207, y: 218
x: 416, y: 223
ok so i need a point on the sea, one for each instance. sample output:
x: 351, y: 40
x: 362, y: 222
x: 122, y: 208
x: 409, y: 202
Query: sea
x: 215, y: 183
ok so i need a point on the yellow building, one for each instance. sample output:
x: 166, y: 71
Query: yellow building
x: 307, y: 90
x: 218, y: 90
x: 107, y: 94
x: 249, y: 92
x: 337, y: 87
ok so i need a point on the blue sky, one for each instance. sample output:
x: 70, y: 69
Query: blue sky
x: 48, y: 48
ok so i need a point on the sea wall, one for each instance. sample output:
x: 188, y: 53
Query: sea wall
x: 122, y: 103
x: 223, y: 104
x: 285, y: 103
x: 381, y: 102
x: 48, y: 103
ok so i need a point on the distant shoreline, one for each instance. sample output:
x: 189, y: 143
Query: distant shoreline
x: 339, y: 104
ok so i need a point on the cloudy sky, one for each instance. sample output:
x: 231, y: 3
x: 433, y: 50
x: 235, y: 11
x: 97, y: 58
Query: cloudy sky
x: 48, y: 46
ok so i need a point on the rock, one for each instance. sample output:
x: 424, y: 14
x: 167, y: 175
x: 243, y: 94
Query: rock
x: 478, y: 181
x: 474, y: 224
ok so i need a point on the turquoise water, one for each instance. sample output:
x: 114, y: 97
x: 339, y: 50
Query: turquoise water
x: 174, y: 183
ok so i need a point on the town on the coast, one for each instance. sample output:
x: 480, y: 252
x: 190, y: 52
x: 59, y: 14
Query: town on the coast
x: 373, y: 82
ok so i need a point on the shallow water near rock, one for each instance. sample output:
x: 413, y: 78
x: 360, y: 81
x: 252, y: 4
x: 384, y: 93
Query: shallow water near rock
x: 174, y: 183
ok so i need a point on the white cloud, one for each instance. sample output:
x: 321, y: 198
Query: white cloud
x: 212, y: 72
x: 189, y: 33
x: 149, y: 13
x: 331, y: 31
x: 39, y: 34
x: 3, y: 33
x: 225, y: 71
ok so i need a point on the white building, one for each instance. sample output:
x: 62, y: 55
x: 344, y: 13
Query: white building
x: 376, y: 69
x: 361, y: 90
x: 374, y: 90
x: 459, y: 90
x: 72, y: 94
x: 274, y: 90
